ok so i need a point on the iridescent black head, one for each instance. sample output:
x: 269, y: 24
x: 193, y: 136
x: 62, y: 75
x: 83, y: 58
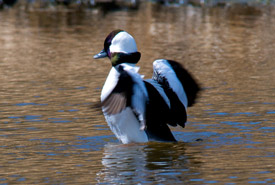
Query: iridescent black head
x: 119, y: 47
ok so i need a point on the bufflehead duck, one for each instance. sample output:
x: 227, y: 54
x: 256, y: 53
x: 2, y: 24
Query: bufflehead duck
x: 139, y: 110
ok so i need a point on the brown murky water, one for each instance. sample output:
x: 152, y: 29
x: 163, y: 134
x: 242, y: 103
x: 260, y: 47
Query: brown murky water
x: 51, y: 134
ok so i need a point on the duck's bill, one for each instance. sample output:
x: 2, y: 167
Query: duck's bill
x: 101, y: 54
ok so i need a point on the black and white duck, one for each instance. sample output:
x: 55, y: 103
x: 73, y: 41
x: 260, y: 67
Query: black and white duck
x: 137, y: 109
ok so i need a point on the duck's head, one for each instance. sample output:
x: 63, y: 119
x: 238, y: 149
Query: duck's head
x: 120, y: 47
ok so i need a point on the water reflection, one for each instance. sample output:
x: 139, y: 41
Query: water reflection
x: 148, y: 163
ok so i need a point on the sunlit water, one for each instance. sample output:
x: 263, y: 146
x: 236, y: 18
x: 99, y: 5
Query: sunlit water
x: 51, y: 132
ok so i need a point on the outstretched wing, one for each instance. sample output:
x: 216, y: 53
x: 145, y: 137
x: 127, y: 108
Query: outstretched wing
x: 190, y: 86
x: 179, y: 86
x: 129, y: 91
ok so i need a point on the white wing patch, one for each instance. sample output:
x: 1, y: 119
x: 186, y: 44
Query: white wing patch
x: 162, y: 69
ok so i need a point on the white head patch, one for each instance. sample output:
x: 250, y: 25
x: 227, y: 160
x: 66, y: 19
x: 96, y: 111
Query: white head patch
x: 123, y: 42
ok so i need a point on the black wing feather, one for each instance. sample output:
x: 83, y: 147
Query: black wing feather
x: 191, y: 87
x: 157, y: 115
x: 177, y: 112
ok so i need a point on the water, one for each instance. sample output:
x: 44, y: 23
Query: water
x: 51, y: 132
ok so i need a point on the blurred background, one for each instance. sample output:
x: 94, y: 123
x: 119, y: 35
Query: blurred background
x: 52, y: 133
x: 132, y: 3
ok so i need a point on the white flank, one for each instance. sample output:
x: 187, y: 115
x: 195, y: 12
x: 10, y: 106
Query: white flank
x: 140, y: 94
x: 164, y: 69
x: 126, y: 127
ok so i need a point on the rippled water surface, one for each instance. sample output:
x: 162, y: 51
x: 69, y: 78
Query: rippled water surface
x: 51, y: 132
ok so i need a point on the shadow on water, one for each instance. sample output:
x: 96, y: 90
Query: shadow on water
x: 148, y: 163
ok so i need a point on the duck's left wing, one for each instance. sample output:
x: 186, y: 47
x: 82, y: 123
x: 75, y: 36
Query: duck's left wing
x: 173, y: 75
x: 119, y: 98
x: 179, y: 86
x: 130, y: 92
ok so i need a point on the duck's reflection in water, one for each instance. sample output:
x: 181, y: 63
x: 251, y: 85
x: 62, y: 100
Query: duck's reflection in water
x: 147, y: 163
